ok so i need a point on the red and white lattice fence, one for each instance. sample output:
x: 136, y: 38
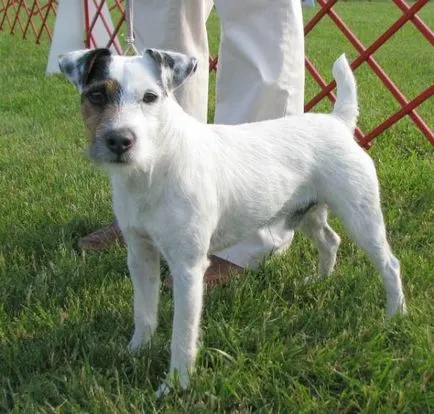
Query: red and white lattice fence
x: 366, y: 55
x: 27, y: 17
x: 36, y: 17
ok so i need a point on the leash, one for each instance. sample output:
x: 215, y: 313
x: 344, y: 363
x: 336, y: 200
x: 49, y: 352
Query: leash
x: 129, y: 38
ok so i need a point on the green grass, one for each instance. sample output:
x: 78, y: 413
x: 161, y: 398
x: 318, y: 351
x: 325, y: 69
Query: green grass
x: 270, y: 343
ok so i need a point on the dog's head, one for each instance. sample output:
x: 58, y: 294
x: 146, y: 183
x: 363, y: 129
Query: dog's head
x: 123, y: 99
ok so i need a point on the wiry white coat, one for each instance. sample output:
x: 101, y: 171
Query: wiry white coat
x: 191, y: 189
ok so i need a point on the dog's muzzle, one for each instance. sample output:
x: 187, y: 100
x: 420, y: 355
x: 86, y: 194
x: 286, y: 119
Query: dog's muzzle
x: 120, y: 141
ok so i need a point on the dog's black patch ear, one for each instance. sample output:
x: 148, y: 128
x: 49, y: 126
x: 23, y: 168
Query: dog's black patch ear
x: 81, y: 66
x: 173, y: 68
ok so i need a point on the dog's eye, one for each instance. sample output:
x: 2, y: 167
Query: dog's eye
x: 149, y: 97
x: 96, y: 97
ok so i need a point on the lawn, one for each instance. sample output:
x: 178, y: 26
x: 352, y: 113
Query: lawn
x: 270, y: 343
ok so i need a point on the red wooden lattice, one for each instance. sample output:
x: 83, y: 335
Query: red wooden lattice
x: 90, y: 22
x: 366, y: 55
x: 20, y: 14
x: 25, y: 16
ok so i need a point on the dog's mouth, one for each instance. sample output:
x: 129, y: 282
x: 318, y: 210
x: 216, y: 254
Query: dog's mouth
x: 119, y: 159
x: 102, y: 156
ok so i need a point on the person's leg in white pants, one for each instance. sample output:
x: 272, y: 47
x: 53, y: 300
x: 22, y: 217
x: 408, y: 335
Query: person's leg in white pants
x: 260, y: 76
x: 178, y: 25
x: 260, y: 73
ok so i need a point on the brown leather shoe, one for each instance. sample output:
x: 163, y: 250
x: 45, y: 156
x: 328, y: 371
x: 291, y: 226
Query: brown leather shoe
x: 101, y: 238
x: 218, y: 273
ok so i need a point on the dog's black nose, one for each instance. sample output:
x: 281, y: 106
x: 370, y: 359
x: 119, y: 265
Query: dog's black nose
x: 120, y: 140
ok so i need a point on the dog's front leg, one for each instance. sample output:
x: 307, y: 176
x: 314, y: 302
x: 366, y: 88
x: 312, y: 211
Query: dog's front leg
x: 188, y: 296
x: 144, y: 267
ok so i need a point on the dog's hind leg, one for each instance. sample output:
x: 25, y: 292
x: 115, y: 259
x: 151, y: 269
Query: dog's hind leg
x: 361, y: 213
x: 314, y: 225
x: 144, y: 267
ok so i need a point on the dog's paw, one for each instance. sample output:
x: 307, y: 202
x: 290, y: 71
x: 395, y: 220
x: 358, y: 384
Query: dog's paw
x: 162, y: 390
x: 173, y: 381
x: 138, y: 341
x: 396, y: 307
x: 310, y: 280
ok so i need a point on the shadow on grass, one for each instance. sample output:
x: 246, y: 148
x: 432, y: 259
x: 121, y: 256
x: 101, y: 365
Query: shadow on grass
x: 76, y: 352
x: 40, y: 241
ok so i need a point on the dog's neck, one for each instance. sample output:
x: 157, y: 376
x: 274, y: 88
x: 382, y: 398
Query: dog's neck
x: 176, y: 122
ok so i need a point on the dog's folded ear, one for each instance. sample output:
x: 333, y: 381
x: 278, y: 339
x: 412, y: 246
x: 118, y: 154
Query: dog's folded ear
x: 173, y: 68
x: 81, y: 65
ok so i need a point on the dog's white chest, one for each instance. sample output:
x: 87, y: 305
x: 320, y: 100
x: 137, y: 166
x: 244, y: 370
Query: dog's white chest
x: 131, y: 207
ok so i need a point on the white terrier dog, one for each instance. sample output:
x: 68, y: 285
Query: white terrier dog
x: 187, y: 189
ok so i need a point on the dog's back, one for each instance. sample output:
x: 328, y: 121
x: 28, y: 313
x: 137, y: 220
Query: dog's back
x: 274, y: 167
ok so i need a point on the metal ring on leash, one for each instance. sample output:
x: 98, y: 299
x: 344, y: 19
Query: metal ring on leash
x: 129, y: 18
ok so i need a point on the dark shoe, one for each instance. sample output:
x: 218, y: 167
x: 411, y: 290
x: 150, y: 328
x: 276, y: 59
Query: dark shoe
x: 218, y: 273
x: 101, y: 238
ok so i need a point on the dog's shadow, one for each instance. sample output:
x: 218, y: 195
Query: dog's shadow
x: 42, y: 240
x: 46, y: 362
x: 42, y: 260
x: 43, y: 274
x: 52, y: 351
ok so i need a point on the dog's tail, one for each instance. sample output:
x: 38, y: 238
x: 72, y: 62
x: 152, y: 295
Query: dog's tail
x: 346, y: 107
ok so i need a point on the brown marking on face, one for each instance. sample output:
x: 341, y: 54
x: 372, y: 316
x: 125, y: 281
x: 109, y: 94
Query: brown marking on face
x: 95, y: 114
x: 112, y: 88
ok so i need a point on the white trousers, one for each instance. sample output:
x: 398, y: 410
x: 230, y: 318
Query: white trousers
x: 260, y: 73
